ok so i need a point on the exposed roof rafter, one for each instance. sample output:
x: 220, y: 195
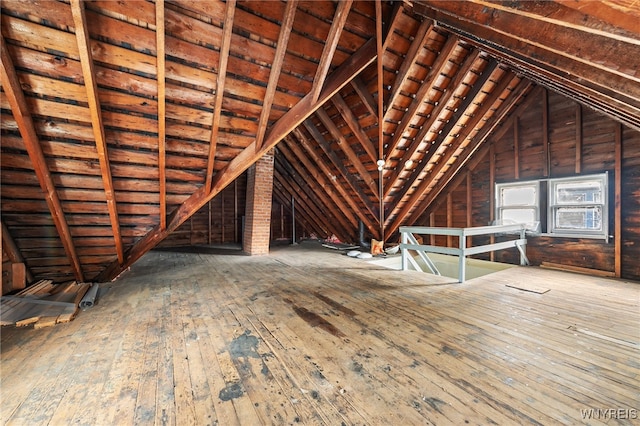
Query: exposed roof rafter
x: 367, y: 100
x: 458, y: 141
x: 276, y: 67
x: 340, y: 18
x: 220, y: 82
x: 316, y: 179
x: 344, y: 145
x: 423, y: 91
x: 22, y: 115
x: 86, y: 61
x: 304, y: 189
x: 249, y: 155
x: 472, y: 150
x: 556, y: 54
x: 162, y: 110
x: 352, y: 121
x: 431, y: 122
x: 337, y: 162
x: 410, y: 60
x: 334, y: 180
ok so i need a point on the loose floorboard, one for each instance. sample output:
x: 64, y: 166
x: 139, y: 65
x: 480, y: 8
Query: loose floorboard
x: 307, y: 335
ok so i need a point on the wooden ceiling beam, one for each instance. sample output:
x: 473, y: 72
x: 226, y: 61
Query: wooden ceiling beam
x: 323, y: 190
x: 13, y: 252
x: 162, y: 110
x: 457, y: 144
x: 613, y: 13
x: 331, y: 43
x: 429, y: 81
x: 582, y: 62
x: 344, y: 145
x: 393, y: 23
x: 476, y: 145
x: 409, y: 61
x: 225, y: 47
x: 352, y: 121
x: 380, y: 120
x: 428, y: 126
x: 88, y: 73
x: 289, y: 121
x: 22, y: 116
x: 276, y: 68
x: 366, y: 98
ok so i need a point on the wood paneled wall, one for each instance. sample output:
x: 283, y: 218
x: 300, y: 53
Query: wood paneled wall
x: 282, y: 223
x: 218, y: 222
x: 552, y: 136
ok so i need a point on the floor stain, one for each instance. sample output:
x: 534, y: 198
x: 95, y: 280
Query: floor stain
x: 450, y: 351
x: 244, y: 346
x: 334, y: 304
x: 231, y: 391
x: 434, y: 403
x: 315, y: 320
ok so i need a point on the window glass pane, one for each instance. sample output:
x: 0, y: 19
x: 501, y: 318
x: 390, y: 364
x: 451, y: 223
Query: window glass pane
x: 519, y: 196
x: 527, y: 216
x: 579, y: 218
x: 579, y: 192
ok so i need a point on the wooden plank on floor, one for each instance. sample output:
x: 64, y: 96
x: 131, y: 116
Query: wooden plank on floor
x: 529, y: 287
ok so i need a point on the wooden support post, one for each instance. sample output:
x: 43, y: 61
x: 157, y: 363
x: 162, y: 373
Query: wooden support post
x: 18, y: 276
x: 516, y: 147
x: 545, y: 133
x: 236, y: 238
x: 432, y: 223
x: 578, y: 138
x: 13, y: 252
x: 209, y: 223
x: 282, y: 221
x: 222, y: 218
x: 469, y: 207
x: 492, y: 193
x: 162, y: 133
x: 617, y: 215
x: 449, y: 218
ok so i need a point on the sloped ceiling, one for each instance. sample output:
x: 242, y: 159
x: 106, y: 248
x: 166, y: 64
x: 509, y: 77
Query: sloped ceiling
x: 120, y: 122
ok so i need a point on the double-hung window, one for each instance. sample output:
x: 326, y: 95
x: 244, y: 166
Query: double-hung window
x: 578, y: 206
x: 518, y: 202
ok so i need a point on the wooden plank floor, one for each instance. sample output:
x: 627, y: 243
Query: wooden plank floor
x: 309, y: 336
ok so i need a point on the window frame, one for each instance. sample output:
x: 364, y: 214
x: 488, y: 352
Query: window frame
x: 553, y: 206
x: 499, y: 207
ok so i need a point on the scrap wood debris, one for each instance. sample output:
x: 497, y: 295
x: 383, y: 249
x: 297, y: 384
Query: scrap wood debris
x: 43, y: 304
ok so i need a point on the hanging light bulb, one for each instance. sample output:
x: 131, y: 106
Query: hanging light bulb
x: 380, y: 164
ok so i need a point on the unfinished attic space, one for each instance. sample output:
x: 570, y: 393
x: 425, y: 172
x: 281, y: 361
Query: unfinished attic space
x: 320, y: 212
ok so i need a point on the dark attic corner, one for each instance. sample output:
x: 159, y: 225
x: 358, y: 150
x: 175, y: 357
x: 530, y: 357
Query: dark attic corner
x: 323, y: 212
